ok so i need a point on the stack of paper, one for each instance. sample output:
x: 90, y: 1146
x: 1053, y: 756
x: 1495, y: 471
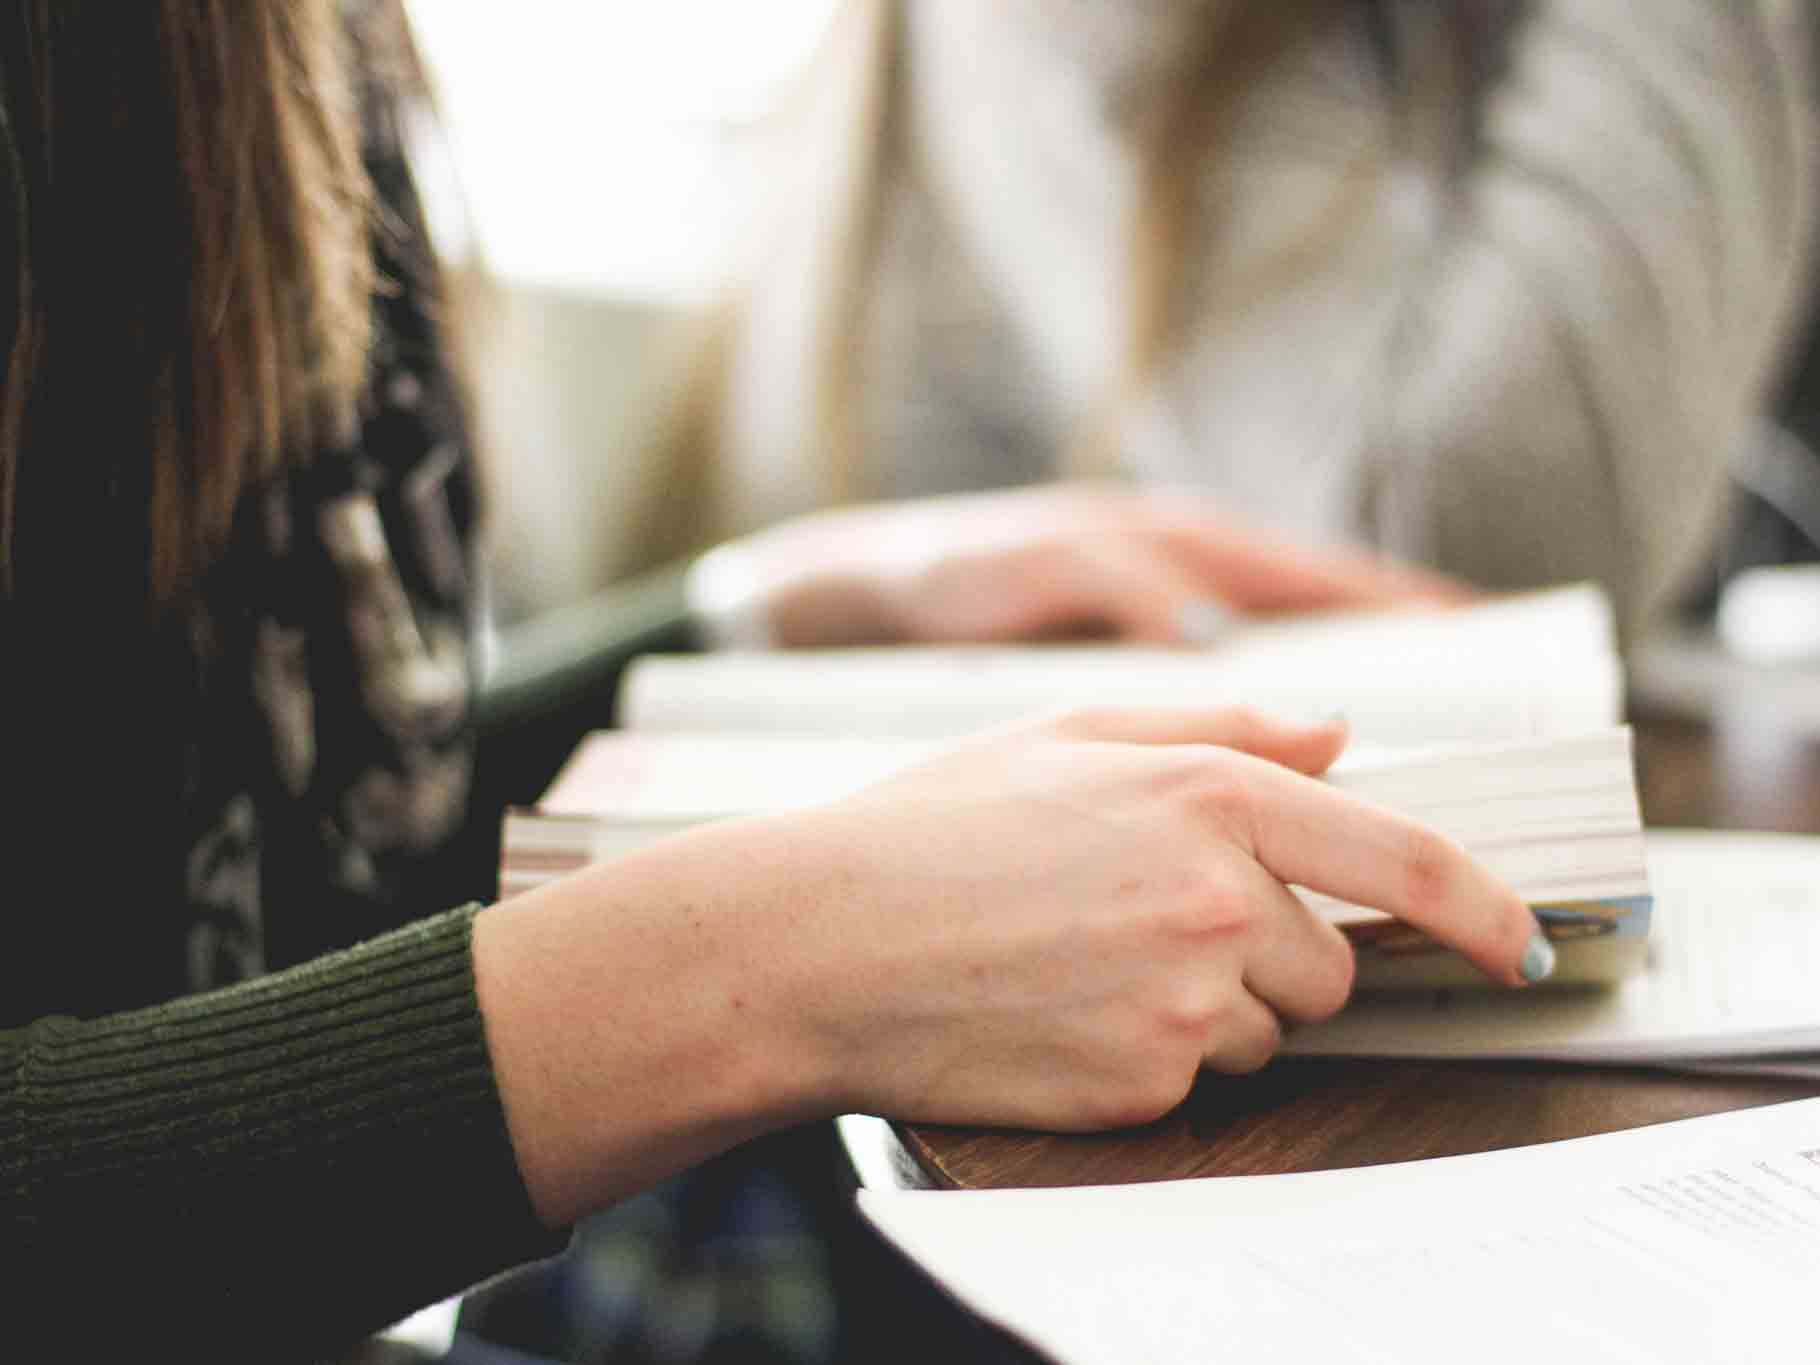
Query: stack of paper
x: 1696, y: 1241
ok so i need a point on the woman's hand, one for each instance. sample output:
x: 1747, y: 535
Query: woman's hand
x: 1052, y: 926
x: 1030, y: 562
x: 1064, y: 921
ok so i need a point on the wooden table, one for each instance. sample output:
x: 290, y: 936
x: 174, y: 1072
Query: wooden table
x: 1742, y: 771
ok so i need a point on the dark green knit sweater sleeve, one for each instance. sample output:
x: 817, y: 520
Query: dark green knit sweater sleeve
x: 265, y: 1172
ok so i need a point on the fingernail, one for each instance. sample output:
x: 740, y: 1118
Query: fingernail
x: 1538, y: 958
x: 1203, y: 621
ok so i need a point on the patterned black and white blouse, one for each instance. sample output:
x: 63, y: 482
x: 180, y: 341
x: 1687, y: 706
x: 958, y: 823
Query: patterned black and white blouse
x: 320, y: 805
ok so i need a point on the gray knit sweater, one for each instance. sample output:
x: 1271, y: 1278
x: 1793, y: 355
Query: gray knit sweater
x: 1495, y: 285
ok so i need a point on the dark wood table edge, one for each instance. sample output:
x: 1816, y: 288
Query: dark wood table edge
x: 1307, y: 1114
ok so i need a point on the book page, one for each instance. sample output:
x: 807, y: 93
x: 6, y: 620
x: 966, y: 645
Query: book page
x: 1694, y: 1241
x: 679, y: 778
x: 1557, y: 820
x: 1733, y: 967
x: 1524, y: 666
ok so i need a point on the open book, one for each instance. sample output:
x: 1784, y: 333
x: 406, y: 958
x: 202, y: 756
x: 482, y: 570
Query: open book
x: 1495, y: 723
x: 1693, y: 1241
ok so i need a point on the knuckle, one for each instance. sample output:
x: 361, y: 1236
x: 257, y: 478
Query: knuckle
x: 1332, y: 979
x: 1224, y: 796
x: 1244, y: 724
x: 1149, y: 1066
x: 1152, y: 1096
x: 1248, y: 1047
x: 1208, y: 906
x: 1430, y: 868
x: 1176, y: 773
x: 1125, y: 1105
x: 1185, y: 1015
x: 1083, y: 722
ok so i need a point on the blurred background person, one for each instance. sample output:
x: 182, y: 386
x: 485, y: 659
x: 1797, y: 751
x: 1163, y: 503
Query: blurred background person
x: 1496, y: 286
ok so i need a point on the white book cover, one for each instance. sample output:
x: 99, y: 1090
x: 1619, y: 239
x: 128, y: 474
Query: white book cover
x: 1524, y: 666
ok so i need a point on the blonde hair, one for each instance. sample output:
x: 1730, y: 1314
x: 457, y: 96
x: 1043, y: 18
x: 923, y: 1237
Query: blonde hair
x: 1235, y: 44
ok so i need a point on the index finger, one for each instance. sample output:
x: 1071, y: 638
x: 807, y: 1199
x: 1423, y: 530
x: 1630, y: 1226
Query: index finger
x: 1309, y: 834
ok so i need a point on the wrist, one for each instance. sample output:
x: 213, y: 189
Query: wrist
x: 636, y: 1023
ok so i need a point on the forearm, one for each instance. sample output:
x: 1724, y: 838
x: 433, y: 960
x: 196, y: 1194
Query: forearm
x: 1590, y: 345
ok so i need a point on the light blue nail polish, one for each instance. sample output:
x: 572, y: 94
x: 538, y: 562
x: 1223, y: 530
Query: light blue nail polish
x: 1204, y: 621
x: 1538, y: 958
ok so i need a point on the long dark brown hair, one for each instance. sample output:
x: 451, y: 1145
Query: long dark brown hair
x: 187, y: 304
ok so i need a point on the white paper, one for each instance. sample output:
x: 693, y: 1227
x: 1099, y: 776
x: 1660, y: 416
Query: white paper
x: 1733, y: 968
x: 1695, y: 1241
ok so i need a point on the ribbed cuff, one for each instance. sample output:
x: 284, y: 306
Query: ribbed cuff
x: 304, y: 1158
